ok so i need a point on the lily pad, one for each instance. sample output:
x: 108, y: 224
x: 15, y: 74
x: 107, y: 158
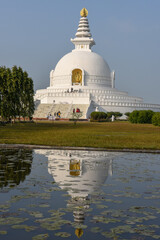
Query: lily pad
x: 36, y: 214
x: 62, y: 234
x: 96, y: 229
x: 102, y: 206
x: 50, y: 226
x: 19, y: 226
x: 3, y: 232
x: 27, y: 228
x: 40, y: 237
x: 77, y: 225
x: 12, y: 220
x: 44, y: 205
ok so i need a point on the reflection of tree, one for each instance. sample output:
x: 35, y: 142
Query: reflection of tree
x: 15, y: 165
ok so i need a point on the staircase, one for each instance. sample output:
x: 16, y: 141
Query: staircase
x: 62, y: 107
x: 43, y: 110
x: 83, y: 108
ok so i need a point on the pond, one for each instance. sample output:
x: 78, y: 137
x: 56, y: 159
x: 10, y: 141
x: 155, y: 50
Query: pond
x: 56, y: 194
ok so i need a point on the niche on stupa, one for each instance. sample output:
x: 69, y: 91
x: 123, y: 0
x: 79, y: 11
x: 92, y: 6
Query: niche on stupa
x: 77, y: 77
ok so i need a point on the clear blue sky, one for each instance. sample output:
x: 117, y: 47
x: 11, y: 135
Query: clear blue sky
x: 35, y: 34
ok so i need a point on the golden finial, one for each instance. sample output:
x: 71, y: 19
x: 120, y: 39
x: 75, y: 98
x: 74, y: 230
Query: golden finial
x: 84, y: 12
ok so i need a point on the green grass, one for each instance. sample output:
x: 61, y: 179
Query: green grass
x: 116, y: 135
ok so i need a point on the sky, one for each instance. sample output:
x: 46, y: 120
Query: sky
x: 35, y: 34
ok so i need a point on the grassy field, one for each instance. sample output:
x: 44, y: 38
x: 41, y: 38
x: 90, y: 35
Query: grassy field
x: 116, y: 135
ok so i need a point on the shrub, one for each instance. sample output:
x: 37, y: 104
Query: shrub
x: 115, y: 114
x: 145, y: 116
x: 142, y: 116
x: 127, y: 114
x: 156, y: 119
x: 133, y: 117
x: 98, y: 115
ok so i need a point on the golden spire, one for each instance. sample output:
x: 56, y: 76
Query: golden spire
x: 84, y: 12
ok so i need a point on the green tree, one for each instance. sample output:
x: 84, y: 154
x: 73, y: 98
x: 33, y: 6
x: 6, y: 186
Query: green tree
x: 76, y: 116
x: 133, y: 117
x: 145, y: 116
x: 142, y: 116
x: 16, y: 93
x: 115, y: 114
x: 156, y: 119
x: 98, y: 116
x: 17, y: 76
x: 6, y: 109
x: 127, y: 114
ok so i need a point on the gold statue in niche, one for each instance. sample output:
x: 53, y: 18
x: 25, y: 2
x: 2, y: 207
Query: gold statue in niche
x: 77, y: 77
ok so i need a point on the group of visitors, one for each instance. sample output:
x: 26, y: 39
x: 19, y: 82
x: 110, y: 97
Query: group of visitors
x: 77, y: 110
x: 56, y: 114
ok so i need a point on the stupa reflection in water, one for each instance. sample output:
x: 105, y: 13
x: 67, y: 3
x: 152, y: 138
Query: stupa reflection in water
x: 81, y: 174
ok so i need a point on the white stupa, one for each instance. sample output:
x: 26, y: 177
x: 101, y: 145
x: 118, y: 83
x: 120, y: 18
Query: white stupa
x: 82, y: 79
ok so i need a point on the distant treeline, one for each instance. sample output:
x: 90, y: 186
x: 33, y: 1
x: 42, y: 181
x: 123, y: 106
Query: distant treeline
x: 16, y: 94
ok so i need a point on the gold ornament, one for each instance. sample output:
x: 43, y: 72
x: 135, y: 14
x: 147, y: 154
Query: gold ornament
x: 84, y: 12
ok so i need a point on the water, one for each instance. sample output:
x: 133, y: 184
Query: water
x: 53, y: 194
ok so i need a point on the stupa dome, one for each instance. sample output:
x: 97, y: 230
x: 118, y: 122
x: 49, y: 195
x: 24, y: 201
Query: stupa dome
x: 91, y: 63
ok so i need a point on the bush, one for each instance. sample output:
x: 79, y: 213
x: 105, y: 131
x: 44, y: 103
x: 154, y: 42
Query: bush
x: 145, y: 116
x: 156, y: 119
x: 127, y: 114
x: 98, y: 115
x: 133, y: 117
x: 142, y: 116
x: 115, y: 114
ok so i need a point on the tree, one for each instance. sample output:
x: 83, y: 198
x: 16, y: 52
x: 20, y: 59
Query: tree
x: 145, y: 116
x: 5, y: 93
x: 142, y: 116
x: 133, y: 117
x: 127, y: 114
x: 76, y: 116
x: 98, y: 116
x: 115, y: 114
x: 16, y: 93
x: 156, y: 119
